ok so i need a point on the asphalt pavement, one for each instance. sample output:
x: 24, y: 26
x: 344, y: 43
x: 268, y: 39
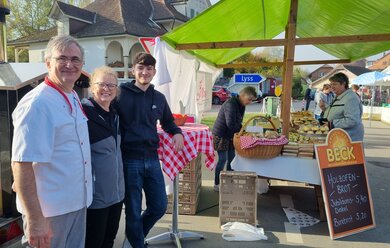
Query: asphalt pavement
x: 271, y: 215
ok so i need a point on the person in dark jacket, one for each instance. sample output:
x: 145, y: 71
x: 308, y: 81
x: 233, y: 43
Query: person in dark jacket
x: 107, y: 168
x: 308, y: 97
x: 140, y: 106
x: 228, y: 122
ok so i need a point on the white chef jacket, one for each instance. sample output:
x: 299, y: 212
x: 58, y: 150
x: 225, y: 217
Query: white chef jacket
x: 56, y: 140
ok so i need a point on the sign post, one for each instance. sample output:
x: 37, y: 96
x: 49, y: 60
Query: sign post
x: 345, y: 186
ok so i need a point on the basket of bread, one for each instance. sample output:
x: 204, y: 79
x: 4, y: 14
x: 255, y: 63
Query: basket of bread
x: 258, y: 144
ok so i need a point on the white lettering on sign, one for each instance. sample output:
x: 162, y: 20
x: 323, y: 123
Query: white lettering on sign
x: 348, y: 177
x: 246, y: 79
x: 343, y: 221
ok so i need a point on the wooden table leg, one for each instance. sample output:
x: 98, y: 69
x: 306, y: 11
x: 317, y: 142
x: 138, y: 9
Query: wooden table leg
x: 320, y: 202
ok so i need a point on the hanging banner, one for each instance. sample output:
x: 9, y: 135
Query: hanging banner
x: 148, y: 43
x: 345, y: 186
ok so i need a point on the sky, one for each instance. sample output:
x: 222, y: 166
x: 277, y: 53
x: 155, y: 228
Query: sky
x: 309, y: 52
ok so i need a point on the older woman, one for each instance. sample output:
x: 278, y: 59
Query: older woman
x: 228, y: 122
x: 107, y: 169
x: 346, y: 110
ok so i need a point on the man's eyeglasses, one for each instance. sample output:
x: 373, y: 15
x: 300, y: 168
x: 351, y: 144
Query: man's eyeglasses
x: 103, y: 85
x: 63, y: 60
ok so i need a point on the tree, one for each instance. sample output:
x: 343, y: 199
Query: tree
x: 28, y: 17
x: 266, y: 55
x: 299, y: 76
x: 31, y: 17
x: 79, y: 3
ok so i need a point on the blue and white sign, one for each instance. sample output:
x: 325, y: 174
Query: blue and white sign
x: 247, y: 78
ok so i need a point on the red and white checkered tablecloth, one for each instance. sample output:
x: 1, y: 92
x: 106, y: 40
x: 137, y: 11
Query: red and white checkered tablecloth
x: 197, y: 139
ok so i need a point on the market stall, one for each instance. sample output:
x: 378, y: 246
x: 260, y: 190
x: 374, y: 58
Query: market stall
x: 231, y: 29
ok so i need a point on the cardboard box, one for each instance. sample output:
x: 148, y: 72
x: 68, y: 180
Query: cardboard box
x: 238, y: 197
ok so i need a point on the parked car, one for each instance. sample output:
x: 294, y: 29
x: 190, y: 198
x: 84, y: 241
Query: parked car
x: 220, y: 94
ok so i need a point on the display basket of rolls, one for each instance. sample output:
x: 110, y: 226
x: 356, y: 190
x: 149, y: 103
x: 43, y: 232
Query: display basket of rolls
x: 259, y: 145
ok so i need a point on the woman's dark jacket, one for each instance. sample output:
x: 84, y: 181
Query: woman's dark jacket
x: 106, y: 158
x: 229, y: 118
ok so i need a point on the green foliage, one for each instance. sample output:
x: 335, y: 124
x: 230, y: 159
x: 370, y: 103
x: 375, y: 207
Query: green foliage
x: 31, y: 17
x: 296, y: 88
x: 228, y: 72
x: 210, y: 120
x: 28, y: 17
x: 23, y: 56
x: 266, y: 55
x: 79, y: 3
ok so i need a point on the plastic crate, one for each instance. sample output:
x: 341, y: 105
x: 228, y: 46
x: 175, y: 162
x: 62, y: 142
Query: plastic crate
x: 187, y: 198
x: 184, y: 208
x: 238, y: 197
x: 190, y: 187
x: 189, y: 176
x: 194, y: 165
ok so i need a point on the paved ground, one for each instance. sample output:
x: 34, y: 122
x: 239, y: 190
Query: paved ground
x: 272, y: 218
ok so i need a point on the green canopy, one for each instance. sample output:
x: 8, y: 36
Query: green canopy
x: 239, y: 20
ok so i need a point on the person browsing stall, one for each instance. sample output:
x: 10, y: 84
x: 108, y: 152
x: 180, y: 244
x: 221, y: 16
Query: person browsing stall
x: 107, y: 168
x: 51, y: 153
x: 228, y: 122
x: 139, y: 106
x: 346, y: 110
x: 323, y: 100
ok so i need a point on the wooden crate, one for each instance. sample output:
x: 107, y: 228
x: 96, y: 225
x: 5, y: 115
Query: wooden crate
x: 238, y: 197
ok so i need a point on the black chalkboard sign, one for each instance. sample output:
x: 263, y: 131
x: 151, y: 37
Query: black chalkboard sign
x: 345, y: 185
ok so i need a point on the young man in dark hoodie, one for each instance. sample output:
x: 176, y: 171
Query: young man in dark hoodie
x: 139, y: 106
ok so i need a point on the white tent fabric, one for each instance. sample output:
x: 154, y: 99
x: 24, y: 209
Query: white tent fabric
x: 385, y: 81
x: 162, y: 76
x: 370, y: 78
x: 182, y: 68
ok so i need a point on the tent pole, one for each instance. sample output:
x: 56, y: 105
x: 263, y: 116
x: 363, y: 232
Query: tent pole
x: 288, y: 67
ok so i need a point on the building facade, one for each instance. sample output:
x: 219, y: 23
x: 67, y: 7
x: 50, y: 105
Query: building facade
x: 320, y: 72
x: 110, y: 36
x: 380, y: 64
x: 190, y: 8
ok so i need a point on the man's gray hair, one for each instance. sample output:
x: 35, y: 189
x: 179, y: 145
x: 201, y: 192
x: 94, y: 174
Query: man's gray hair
x: 60, y: 43
x: 249, y: 91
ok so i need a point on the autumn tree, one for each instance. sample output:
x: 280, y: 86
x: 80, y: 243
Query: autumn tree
x: 29, y: 17
x: 265, y: 55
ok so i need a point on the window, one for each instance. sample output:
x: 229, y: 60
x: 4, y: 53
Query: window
x: 322, y: 74
x: 192, y: 13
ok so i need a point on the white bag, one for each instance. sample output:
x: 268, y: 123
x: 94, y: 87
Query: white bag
x: 237, y: 231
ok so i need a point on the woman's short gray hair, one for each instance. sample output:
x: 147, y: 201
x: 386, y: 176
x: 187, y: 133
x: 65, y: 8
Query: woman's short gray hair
x: 60, y: 43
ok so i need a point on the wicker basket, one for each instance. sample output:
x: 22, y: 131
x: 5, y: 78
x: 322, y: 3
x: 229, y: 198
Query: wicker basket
x: 261, y: 151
